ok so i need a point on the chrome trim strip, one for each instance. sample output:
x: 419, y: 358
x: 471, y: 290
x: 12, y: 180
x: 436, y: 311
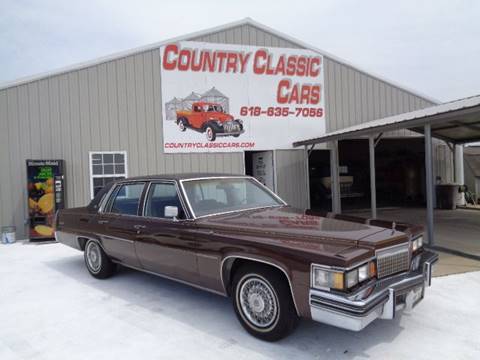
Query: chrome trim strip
x: 171, y: 278
x: 238, y: 211
x: 114, y: 238
x: 88, y: 239
x: 106, y: 198
x: 180, y: 197
x: 392, y: 249
x: 261, y: 261
x: 215, y: 257
x: 344, y: 321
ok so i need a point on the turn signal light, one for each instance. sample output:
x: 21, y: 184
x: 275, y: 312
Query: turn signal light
x: 372, y: 269
x: 337, y: 282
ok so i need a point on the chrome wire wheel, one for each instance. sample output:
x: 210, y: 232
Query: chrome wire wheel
x: 258, y: 302
x: 93, y: 255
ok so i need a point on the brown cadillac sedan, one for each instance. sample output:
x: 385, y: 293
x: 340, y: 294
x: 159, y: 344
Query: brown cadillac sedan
x: 232, y: 236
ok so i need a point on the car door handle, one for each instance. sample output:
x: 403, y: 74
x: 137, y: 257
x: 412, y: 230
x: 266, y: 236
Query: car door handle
x: 101, y: 222
x: 138, y: 227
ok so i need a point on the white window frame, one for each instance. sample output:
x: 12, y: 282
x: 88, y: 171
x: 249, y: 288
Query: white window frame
x: 90, y: 162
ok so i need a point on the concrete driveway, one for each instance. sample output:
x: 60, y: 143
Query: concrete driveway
x: 51, y: 308
x: 454, y: 229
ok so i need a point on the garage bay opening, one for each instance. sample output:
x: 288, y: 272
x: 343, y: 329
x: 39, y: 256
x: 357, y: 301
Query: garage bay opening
x: 400, y: 174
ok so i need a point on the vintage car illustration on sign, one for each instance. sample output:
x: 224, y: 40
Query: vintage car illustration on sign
x: 211, y: 119
x: 232, y: 236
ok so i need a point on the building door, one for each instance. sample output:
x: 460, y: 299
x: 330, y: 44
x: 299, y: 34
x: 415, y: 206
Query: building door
x: 260, y: 165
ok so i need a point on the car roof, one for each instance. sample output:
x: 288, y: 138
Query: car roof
x: 178, y: 177
x: 205, y: 103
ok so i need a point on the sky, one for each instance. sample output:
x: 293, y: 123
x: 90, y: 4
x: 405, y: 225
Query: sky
x: 431, y: 46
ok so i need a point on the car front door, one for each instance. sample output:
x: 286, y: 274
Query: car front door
x: 167, y: 245
x: 196, y: 117
x: 121, y: 224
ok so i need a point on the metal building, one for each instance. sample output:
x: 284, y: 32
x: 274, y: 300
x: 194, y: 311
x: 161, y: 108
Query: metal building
x: 107, y: 115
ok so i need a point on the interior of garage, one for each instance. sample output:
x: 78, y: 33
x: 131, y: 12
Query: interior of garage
x: 400, y: 172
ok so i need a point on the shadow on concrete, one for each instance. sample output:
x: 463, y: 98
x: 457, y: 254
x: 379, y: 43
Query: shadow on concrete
x: 214, y: 315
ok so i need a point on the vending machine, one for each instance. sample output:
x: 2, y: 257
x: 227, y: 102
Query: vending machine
x: 46, y: 195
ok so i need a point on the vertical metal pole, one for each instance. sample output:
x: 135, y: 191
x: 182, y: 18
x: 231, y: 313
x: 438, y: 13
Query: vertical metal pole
x: 307, y: 175
x: 373, y: 186
x: 459, y: 171
x: 335, y: 178
x: 429, y: 180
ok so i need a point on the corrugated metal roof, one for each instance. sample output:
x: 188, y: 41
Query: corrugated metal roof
x: 456, y: 121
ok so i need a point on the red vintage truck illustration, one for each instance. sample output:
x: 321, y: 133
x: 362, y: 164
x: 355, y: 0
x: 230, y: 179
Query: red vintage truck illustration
x: 211, y: 119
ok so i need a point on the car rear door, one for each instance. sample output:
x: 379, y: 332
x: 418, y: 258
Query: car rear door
x: 121, y: 222
x: 167, y: 245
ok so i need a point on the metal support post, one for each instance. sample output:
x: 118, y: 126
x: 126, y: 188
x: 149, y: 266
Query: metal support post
x: 307, y: 173
x: 335, y: 178
x: 429, y: 180
x: 373, y: 187
x: 459, y: 171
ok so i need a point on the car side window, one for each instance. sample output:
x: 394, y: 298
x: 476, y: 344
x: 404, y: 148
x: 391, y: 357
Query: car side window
x: 126, y: 199
x: 161, y: 195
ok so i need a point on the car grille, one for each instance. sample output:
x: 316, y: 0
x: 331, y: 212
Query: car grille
x: 231, y: 126
x: 393, y: 260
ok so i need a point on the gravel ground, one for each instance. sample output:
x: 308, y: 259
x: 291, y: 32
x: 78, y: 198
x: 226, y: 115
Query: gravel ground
x: 51, y: 308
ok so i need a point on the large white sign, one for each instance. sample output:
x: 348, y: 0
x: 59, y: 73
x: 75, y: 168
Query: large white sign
x: 218, y: 97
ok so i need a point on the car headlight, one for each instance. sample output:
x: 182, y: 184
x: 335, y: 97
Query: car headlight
x: 417, y: 243
x: 363, y: 273
x: 352, y: 278
x: 326, y: 279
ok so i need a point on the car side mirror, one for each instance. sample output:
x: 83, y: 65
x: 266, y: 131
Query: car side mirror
x: 171, y: 212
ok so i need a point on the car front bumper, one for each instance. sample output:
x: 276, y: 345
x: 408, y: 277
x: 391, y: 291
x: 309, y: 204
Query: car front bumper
x: 226, y: 133
x: 381, y: 300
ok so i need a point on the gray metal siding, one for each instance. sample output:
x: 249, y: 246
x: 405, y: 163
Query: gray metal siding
x: 291, y: 177
x: 353, y: 97
x: 246, y: 35
x: 110, y: 106
x: 116, y: 105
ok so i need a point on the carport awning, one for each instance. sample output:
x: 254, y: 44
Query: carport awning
x: 457, y: 122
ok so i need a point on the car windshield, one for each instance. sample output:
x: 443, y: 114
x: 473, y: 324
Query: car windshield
x: 211, y: 107
x: 219, y: 195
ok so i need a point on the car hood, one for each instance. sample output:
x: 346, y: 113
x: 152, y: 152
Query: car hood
x: 289, y: 227
x: 220, y: 116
